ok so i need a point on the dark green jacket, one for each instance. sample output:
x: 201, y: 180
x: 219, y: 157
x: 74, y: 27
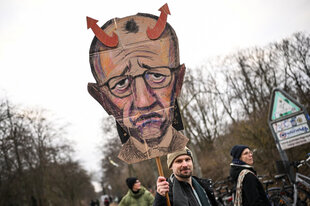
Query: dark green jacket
x: 142, y: 198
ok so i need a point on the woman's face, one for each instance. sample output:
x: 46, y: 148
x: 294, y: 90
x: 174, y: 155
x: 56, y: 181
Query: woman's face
x: 247, y: 156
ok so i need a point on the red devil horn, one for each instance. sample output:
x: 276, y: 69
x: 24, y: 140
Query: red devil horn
x: 110, y: 41
x: 160, y: 24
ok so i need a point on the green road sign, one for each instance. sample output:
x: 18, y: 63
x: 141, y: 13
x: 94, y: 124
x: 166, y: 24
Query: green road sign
x: 283, y: 106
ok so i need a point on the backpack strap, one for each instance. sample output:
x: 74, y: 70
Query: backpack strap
x: 238, y: 197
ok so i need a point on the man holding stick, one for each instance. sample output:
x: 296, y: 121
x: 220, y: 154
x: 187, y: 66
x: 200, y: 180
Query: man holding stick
x: 183, y: 188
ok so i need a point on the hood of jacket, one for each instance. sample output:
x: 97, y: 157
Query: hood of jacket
x: 235, y: 169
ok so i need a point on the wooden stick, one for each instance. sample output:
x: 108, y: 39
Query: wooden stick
x: 161, y: 173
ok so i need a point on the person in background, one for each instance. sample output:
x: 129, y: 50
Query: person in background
x: 182, y: 187
x: 137, y: 195
x: 249, y: 190
x: 92, y: 203
x: 106, y: 201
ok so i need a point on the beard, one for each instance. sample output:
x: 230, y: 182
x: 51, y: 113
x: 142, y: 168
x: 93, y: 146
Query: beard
x: 186, y: 175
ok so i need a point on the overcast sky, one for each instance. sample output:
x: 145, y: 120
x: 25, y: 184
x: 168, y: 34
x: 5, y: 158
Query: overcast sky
x: 44, y: 48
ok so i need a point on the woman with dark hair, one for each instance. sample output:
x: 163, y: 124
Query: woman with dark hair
x: 249, y: 190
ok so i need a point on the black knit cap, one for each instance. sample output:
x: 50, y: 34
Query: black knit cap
x: 237, y: 150
x: 131, y: 181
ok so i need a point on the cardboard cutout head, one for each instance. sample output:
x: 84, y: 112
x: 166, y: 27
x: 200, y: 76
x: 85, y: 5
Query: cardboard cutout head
x: 137, y: 81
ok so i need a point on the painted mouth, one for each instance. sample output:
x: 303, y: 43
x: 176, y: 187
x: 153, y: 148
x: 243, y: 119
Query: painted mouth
x: 147, y: 119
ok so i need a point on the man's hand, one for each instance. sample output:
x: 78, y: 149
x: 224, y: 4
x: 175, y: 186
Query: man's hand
x: 162, y: 186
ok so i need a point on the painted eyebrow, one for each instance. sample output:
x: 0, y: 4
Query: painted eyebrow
x: 149, y: 67
x: 121, y: 74
x: 126, y: 69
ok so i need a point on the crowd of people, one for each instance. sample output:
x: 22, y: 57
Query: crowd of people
x: 184, y: 189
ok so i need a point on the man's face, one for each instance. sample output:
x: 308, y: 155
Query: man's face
x: 140, y: 81
x: 182, y: 166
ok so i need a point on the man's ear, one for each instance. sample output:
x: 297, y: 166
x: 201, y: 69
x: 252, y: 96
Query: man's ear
x: 180, y: 79
x: 98, y: 95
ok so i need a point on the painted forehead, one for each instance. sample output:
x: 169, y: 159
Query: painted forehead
x: 153, y: 54
x: 133, y: 41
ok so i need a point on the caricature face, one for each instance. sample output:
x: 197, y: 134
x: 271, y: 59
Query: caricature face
x: 141, y: 80
x: 141, y: 86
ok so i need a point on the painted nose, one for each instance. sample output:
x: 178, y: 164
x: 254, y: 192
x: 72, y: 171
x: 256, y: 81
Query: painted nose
x: 144, y: 95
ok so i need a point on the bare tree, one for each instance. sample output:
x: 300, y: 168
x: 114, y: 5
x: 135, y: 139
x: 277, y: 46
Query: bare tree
x: 31, y: 148
x: 226, y: 101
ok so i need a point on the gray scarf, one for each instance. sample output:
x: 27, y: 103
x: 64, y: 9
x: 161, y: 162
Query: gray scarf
x: 179, y: 199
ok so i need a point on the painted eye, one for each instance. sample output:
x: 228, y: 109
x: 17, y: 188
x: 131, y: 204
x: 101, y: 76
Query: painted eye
x: 120, y: 85
x: 156, y: 78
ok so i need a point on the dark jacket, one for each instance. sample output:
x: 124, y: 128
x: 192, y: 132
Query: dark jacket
x: 188, y: 192
x: 253, y: 193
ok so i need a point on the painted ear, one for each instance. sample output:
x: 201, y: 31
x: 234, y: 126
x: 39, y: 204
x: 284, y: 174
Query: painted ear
x: 180, y: 79
x: 98, y: 95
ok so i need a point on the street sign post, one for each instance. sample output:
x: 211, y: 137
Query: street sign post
x: 292, y: 132
x: 289, y: 123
